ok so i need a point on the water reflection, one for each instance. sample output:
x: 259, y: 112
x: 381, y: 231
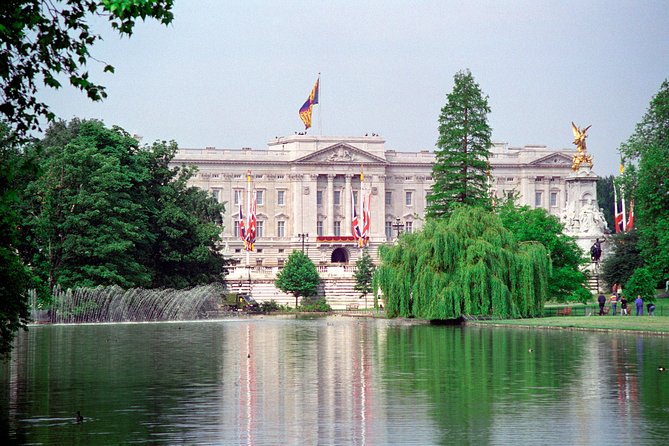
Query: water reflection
x: 331, y: 381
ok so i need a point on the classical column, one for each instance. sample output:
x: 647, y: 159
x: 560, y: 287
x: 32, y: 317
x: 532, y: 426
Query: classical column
x: 330, y: 198
x: 347, y: 206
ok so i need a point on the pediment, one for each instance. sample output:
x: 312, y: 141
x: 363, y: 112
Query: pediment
x: 340, y: 153
x: 553, y: 159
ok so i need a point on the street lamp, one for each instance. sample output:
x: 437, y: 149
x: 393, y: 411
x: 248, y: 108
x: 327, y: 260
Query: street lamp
x: 398, y: 226
x: 303, y: 237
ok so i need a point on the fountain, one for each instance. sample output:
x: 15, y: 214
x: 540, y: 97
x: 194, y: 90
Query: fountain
x: 114, y: 304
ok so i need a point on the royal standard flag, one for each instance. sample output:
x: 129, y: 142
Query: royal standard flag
x: 305, y: 110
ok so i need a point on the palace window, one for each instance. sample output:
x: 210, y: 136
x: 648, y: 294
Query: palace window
x: 389, y: 230
x: 319, y: 197
x: 408, y: 198
x: 280, y: 228
x: 260, y: 197
x: 355, y: 197
x: 281, y: 197
x: 337, y: 228
x: 554, y: 199
x: 337, y: 197
x: 238, y: 196
x: 319, y: 228
x: 389, y: 198
x: 236, y: 228
x: 408, y: 227
x: 217, y: 194
x: 538, y: 198
x: 259, y: 228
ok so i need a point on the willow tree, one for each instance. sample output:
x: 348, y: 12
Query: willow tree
x: 468, y: 264
x: 463, y: 148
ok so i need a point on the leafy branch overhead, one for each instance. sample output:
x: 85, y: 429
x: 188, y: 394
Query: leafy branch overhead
x: 45, y: 41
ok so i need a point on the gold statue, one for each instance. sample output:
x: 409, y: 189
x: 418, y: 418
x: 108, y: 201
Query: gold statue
x: 581, y: 156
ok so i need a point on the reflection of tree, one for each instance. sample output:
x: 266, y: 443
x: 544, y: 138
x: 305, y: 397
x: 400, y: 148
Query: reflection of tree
x: 466, y: 373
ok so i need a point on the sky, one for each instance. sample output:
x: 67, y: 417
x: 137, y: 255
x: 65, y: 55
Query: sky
x: 234, y: 74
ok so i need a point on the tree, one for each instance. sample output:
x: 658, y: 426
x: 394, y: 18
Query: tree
x: 605, y: 199
x: 364, y: 270
x: 460, y: 171
x: 646, y: 180
x: 468, y: 264
x: 299, y: 276
x: 15, y: 278
x: 642, y: 283
x: 567, y: 281
x: 104, y: 211
x: 45, y: 41
x: 623, y: 259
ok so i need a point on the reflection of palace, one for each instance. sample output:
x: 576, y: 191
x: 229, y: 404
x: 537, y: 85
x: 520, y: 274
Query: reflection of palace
x: 303, y: 185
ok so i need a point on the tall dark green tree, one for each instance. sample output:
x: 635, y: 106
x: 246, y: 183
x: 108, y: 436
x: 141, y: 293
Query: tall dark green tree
x: 623, y: 259
x: 15, y: 278
x: 606, y: 199
x: 104, y: 211
x: 460, y: 171
x: 648, y: 184
x: 299, y: 276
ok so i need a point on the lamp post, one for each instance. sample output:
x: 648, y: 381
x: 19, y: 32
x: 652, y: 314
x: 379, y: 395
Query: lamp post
x: 303, y: 237
x: 398, y: 226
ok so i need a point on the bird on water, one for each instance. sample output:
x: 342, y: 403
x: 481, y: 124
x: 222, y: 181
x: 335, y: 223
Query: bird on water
x: 80, y: 417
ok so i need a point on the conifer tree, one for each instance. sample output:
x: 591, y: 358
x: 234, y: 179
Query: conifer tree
x: 463, y: 148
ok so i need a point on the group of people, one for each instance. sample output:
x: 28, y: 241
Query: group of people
x: 618, y: 297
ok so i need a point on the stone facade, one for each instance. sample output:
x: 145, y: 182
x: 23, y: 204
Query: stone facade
x: 304, y: 184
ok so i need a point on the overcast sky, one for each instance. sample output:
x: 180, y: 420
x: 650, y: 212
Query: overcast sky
x: 234, y: 74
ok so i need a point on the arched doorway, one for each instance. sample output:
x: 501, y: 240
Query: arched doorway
x: 339, y: 255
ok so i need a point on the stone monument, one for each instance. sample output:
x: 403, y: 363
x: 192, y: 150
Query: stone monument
x: 582, y: 217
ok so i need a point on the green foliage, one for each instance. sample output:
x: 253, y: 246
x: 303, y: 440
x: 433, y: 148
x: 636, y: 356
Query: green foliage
x: 270, y: 306
x: 299, y: 276
x: 623, y: 259
x: 642, y: 283
x: 15, y: 278
x: 318, y: 305
x: 606, y: 199
x: 468, y: 264
x: 48, y: 41
x: 103, y: 211
x: 463, y: 148
x: 567, y: 281
x: 364, y: 271
x: 646, y: 179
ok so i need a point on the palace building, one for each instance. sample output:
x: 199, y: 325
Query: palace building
x: 305, y: 188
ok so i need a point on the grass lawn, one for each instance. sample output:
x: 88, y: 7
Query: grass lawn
x: 656, y: 324
x: 580, y: 319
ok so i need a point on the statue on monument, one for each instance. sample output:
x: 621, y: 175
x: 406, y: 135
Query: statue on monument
x: 581, y: 156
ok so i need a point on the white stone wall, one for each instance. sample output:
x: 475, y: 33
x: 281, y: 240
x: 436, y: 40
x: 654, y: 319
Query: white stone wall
x: 303, y: 165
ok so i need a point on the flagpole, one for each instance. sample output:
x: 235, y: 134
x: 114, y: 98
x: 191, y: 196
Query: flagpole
x: 248, y: 212
x: 622, y: 193
x: 320, y: 106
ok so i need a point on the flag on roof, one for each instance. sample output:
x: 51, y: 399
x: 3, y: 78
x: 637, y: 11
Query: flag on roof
x: 306, y: 109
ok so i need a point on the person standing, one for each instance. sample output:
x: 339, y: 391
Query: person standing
x: 623, y: 306
x: 639, y: 305
x: 614, y: 304
x: 601, y: 300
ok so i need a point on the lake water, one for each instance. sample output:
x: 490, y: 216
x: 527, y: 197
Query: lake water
x: 331, y: 380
